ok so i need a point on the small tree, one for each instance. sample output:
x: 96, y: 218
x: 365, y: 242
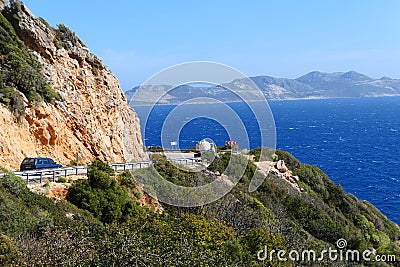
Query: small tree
x: 102, y: 195
x: 99, y: 175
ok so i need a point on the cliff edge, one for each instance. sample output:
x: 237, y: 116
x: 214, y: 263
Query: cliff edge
x: 90, y: 116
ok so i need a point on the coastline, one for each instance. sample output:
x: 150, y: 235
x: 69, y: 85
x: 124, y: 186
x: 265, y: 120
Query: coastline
x: 255, y: 101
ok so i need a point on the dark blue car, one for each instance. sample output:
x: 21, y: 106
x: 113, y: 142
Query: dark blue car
x: 38, y: 163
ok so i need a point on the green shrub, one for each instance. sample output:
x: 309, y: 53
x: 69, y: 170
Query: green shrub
x: 170, y: 172
x: 290, y: 161
x: 2, y: 169
x: 235, y: 166
x: 95, y: 71
x: 45, y: 22
x: 267, y: 154
x: 61, y: 180
x: 100, y: 179
x: 12, y: 99
x: 99, y: 175
x: 103, y: 196
x: 99, y: 165
x: 66, y: 37
x: 137, y: 193
x: 9, y: 252
x: 126, y: 179
x: 14, y: 184
x: 257, y: 239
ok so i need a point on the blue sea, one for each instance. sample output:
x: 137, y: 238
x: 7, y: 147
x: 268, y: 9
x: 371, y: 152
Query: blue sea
x: 355, y: 141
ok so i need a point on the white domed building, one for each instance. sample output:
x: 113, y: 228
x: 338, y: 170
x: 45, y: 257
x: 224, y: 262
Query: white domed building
x: 205, y: 145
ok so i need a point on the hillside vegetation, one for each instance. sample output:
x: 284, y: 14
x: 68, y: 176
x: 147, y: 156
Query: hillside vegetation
x: 102, y: 223
x: 21, y: 74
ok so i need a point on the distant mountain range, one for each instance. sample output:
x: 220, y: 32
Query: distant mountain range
x: 313, y: 85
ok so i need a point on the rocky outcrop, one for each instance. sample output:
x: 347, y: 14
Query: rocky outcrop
x: 34, y: 33
x: 93, y: 119
x: 281, y: 167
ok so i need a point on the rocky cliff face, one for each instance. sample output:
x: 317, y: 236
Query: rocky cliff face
x: 2, y: 4
x: 93, y: 119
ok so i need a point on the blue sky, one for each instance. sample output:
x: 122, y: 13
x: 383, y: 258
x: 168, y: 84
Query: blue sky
x: 283, y: 38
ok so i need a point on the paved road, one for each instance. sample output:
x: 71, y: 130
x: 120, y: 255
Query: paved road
x: 53, y: 174
x: 187, y: 159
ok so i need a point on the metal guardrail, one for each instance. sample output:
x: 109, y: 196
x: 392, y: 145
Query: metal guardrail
x: 187, y: 160
x: 52, y: 174
x: 121, y: 167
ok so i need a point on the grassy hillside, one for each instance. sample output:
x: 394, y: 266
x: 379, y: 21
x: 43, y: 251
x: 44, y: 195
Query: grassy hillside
x: 105, y: 225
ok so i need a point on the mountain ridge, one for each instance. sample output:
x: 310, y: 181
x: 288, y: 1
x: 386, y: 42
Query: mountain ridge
x: 313, y: 85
